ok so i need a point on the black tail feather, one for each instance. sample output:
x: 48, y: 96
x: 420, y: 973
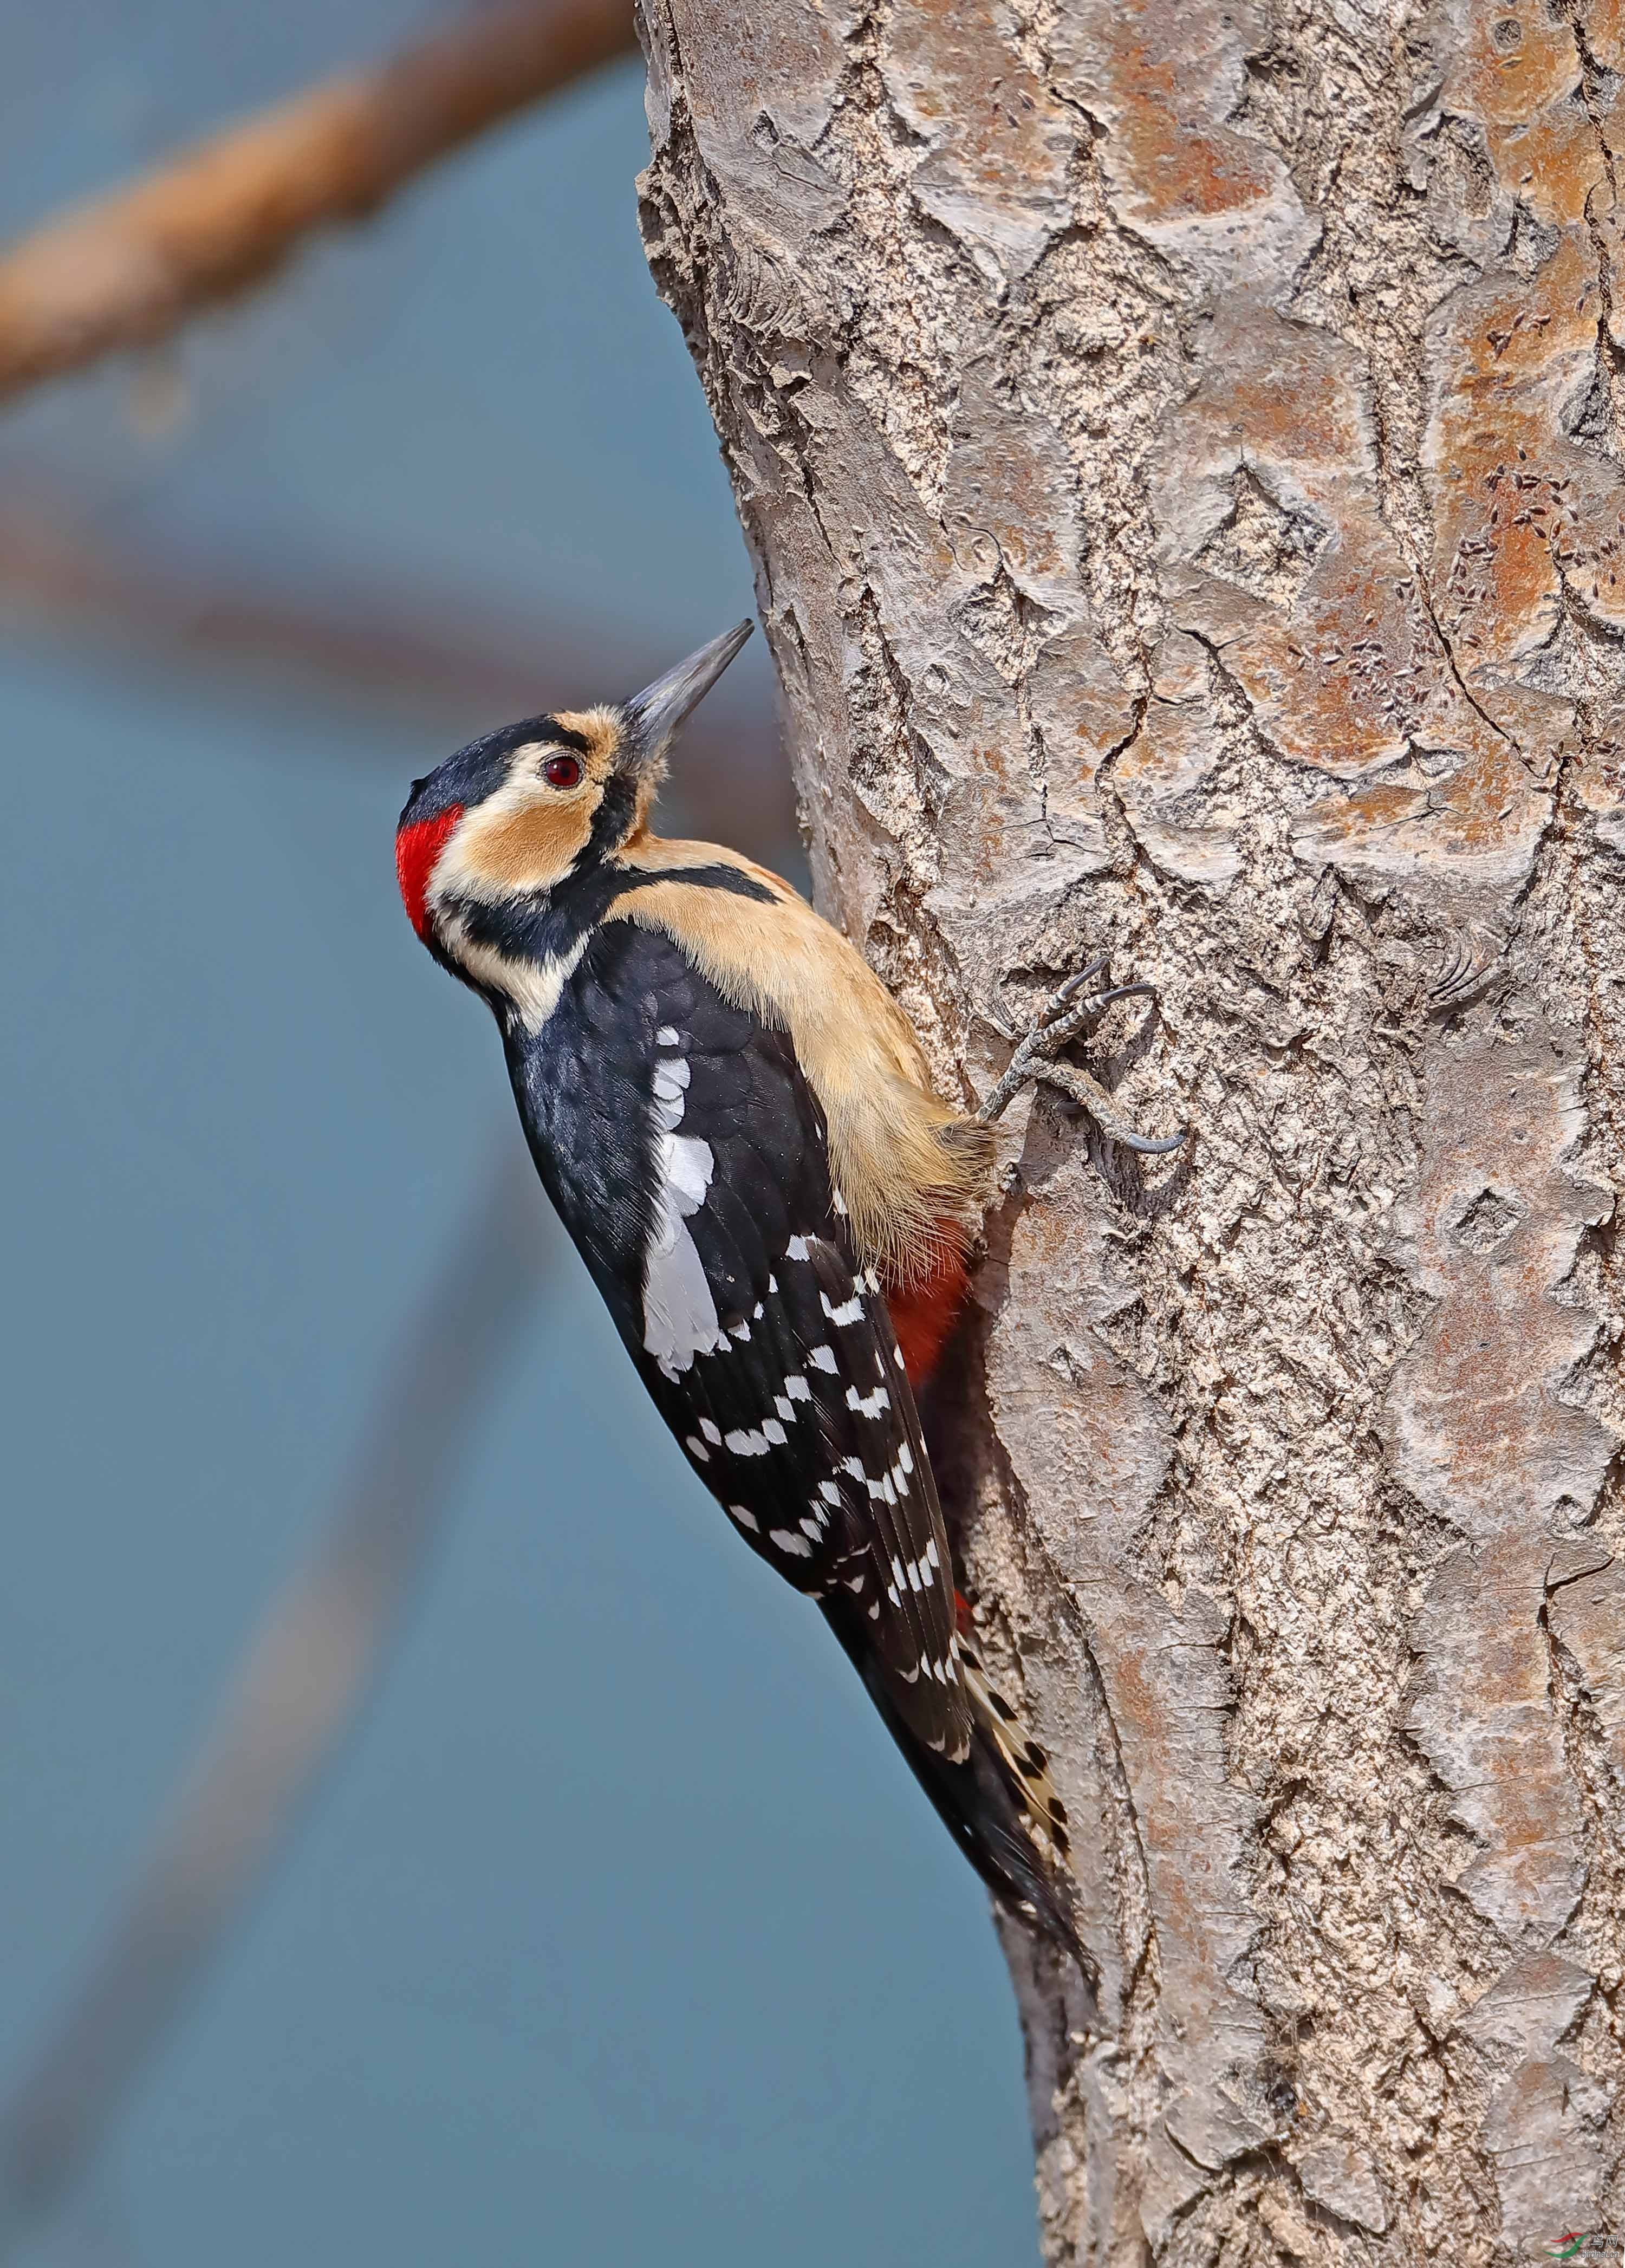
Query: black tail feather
x: 982, y: 1802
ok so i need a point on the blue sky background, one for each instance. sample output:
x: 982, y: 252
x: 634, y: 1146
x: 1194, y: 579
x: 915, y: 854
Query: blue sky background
x: 619, y: 1934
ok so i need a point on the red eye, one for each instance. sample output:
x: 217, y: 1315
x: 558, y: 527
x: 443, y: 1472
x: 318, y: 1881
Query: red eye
x: 562, y: 771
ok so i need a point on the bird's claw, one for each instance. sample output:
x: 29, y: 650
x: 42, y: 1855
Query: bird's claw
x: 1069, y: 1011
x: 1061, y: 998
x: 1059, y: 1004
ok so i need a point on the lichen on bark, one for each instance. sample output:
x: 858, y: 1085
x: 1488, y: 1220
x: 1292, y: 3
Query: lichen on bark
x: 1179, y: 445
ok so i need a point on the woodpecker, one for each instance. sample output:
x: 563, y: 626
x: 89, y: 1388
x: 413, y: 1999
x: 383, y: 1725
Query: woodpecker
x: 736, y: 1125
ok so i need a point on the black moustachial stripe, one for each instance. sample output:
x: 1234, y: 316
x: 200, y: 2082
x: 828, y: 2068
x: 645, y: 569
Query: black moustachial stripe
x: 546, y: 925
x: 611, y: 821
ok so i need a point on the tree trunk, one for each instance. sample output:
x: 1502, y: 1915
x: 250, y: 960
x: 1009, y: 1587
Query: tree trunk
x: 1179, y: 444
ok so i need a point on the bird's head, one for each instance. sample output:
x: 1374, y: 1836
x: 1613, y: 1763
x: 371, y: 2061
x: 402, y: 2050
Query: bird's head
x: 509, y: 820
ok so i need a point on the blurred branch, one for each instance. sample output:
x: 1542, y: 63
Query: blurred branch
x: 426, y: 658
x: 127, y: 269
x: 296, y: 1692
x: 396, y: 650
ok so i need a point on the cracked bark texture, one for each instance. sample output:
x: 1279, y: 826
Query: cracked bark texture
x: 1180, y: 448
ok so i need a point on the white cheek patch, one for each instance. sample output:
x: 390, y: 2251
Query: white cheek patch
x: 679, y: 1314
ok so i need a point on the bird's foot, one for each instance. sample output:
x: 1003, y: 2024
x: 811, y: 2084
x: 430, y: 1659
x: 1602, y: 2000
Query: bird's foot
x: 1075, y: 1009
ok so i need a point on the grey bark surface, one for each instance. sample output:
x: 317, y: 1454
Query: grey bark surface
x: 1179, y: 445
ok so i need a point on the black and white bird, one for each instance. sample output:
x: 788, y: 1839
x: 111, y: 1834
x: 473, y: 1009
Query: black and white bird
x: 735, y: 1122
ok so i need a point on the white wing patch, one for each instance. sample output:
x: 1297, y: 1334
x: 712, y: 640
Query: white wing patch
x: 679, y: 1314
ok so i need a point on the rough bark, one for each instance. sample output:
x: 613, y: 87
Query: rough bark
x: 1179, y: 445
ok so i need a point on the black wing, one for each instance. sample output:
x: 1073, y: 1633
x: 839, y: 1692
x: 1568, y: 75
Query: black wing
x: 687, y: 1157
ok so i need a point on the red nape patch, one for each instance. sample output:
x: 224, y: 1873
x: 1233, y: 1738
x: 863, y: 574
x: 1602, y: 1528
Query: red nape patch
x: 923, y: 1316
x: 418, y: 848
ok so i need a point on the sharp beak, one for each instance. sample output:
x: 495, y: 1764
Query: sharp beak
x: 654, y: 716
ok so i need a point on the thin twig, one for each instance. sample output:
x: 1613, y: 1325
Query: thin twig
x: 129, y: 268
x: 296, y: 1693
